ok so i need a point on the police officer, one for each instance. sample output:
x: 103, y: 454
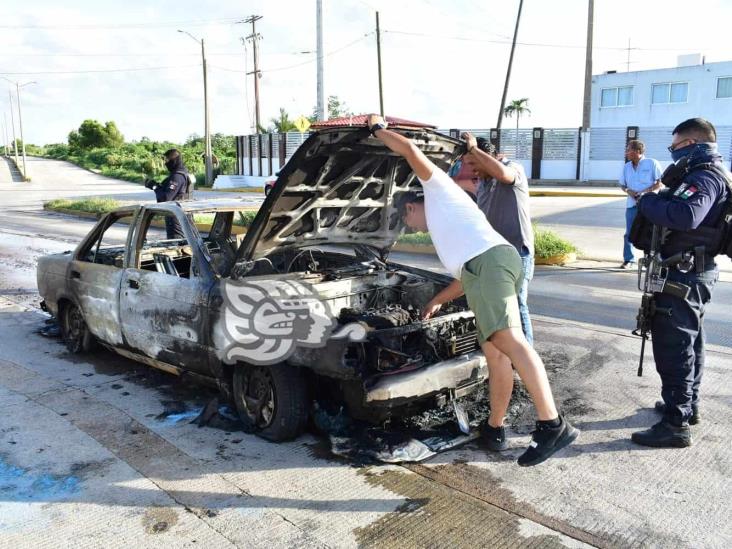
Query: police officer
x: 692, y: 209
x: 173, y: 188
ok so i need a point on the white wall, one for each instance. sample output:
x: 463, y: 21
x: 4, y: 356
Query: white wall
x: 701, y: 99
x: 558, y: 169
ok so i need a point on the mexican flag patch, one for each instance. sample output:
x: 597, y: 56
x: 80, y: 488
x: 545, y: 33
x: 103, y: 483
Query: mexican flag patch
x: 685, y: 191
x: 688, y: 193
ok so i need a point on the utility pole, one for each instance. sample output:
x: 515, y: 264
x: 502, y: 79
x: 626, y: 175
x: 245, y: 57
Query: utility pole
x: 627, y: 68
x: 5, y: 134
x: 321, y: 107
x: 206, y: 117
x: 378, y: 59
x: 20, y: 121
x: 254, y: 39
x: 587, y: 103
x: 508, y: 70
x: 12, y: 121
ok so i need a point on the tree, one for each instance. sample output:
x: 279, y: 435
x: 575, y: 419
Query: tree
x: 336, y: 109
x: 518, y: 107
x: 283, y: 123
x: 92, y: 134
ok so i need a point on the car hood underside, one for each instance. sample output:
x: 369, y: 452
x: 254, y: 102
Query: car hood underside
x: 339, y: 188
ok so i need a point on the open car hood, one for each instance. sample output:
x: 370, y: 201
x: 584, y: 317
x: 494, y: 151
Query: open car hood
x: 339, y: 188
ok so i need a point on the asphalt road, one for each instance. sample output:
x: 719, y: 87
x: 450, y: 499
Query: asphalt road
x: 98, y: 451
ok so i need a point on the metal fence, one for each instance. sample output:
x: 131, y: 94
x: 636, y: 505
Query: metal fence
x: 545, y: 153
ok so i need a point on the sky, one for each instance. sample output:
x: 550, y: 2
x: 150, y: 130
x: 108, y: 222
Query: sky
x: 443, y: 61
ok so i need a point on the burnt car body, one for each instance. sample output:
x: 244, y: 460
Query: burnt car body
x: 329, y: 222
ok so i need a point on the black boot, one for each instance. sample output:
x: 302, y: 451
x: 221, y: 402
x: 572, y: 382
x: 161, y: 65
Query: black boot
x: 664, y: 435
x: 695, y: 418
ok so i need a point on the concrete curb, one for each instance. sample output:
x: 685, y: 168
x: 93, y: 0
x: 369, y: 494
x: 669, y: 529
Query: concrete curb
x: 573, y: 194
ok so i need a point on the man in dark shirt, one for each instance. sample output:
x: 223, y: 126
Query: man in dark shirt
x: 691, y: 210
x: 502, y: 193
x: 173, y: 188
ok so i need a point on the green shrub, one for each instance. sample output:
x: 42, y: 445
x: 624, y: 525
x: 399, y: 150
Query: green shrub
x: 416, y: 239
x: 548, y: 243
x: 244, y: 219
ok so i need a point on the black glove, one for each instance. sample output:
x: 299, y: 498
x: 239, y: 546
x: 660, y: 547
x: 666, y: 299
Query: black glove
x: 150, y: 184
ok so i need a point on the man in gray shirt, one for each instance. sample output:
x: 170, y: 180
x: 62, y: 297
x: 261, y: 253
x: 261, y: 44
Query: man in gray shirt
x: 502, y: 192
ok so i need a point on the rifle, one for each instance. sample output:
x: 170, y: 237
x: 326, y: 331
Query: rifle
x: 653, y: 270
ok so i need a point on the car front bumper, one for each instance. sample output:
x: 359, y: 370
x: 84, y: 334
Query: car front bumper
x: 461, y: 374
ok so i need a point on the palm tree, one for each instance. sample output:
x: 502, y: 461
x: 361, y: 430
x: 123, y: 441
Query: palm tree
x: 283, y: 123
x: 517, y: 107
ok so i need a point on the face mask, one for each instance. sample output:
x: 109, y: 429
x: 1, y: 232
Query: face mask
x: 170, y: 164
x: 678, y: 154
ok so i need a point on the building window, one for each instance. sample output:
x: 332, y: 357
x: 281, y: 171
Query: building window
x: 617, y: 97
x: 724, y: 87
x: 670, y: 92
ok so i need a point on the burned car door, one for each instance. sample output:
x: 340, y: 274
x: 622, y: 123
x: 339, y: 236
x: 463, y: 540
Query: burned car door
x: 95, y: 273
x: 163, y: 295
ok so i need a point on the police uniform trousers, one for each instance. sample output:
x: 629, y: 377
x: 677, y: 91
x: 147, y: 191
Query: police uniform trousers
x: 678, y: 341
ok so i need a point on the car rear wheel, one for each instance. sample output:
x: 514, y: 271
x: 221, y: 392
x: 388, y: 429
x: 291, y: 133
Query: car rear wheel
x: 271, y: 400
x: 75, y: 333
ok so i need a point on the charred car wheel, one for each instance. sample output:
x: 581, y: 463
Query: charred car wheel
x: 271, y: 400
x: 74, y: 330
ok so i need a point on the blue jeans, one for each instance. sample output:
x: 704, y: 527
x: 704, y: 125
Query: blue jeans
x: 630, y: 214
x: 527, y: 261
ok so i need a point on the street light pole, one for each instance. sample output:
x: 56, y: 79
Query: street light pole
x: 5, y: 134
x: 207, y: 129
x: 18, y: 85
x: 12, y: 121
x: 321, y: 108
x: 20, y: 122
x: 207, y: 118
x: 378, y: 61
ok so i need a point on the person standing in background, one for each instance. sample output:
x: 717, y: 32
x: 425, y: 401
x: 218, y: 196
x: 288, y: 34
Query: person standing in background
x: 640, y: 175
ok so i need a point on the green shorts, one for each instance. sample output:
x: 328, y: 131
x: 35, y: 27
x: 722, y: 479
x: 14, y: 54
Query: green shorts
x: 491, y: 282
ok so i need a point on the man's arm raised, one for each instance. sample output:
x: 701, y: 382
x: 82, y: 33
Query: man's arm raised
x: 420, y: 164
x: 488, y: 164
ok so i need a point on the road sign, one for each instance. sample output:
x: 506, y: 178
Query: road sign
x: 302, y: 124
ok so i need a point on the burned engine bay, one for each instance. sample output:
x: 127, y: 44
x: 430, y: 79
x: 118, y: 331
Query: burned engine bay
x: 388, y: 301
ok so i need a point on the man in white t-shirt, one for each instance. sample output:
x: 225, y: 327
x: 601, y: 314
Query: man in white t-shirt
x: 487, y: 269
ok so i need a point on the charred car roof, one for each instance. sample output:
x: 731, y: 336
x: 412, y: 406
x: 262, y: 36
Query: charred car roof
x: 339, y: 188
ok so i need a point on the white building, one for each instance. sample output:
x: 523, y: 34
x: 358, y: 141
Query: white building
x: 654, y: 101
x: 663, y: 97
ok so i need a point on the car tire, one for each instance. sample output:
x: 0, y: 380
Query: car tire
x: 74, y: 331
x: 272, y: 401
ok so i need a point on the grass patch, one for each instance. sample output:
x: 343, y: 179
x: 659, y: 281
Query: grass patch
x: 88, y: 205
x: 548, y: 244
x: 241, y: 219
x: 104, y: 205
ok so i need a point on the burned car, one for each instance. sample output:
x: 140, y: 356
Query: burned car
x: 328, y: 225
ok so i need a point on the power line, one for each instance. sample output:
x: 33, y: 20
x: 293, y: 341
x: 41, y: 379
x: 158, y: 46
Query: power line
x: 333, y: 52
x: 195, y: 22
x: 134, y: 69
x: 537, y: 44
x: 143, y: 69
x: 146, y: 54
